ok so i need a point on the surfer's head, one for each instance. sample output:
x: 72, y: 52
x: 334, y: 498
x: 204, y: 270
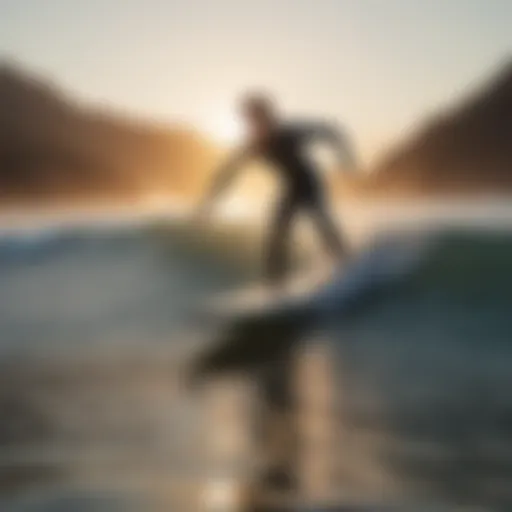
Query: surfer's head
x: 259, y: 112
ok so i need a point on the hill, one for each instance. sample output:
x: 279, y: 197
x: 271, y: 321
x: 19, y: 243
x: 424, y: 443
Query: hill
x: 467, y: 149
x: 53, y: 147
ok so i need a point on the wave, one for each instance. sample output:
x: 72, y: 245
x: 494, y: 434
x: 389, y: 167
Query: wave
x: 100, y: 281
x: 420, y: 335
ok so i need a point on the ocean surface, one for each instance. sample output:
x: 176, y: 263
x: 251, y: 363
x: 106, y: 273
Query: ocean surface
x: 413, y: 397
x: 99, y: 321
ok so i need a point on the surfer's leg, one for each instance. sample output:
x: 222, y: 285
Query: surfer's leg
x: 331, y: 235
x: 278, y: 241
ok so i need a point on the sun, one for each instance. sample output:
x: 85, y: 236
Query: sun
x: 226, y: 129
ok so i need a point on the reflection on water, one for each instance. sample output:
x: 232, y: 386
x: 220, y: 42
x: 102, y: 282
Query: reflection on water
x: 423, y: 397
x: 228, y: 454
x: 315, y: 417
x: 99, y: 425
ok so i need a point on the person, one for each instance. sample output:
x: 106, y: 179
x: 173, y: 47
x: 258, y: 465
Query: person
x: 284, y: 146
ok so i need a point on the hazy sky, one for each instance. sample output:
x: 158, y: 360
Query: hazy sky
x: 377, y: 65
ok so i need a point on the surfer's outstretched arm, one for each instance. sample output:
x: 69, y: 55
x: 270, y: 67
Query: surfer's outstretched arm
x: 224, y: 176
x: 341, y: 144
x: 337, y: 138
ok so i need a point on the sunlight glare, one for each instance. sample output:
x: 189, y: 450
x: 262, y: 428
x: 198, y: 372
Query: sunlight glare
x: 226, y: 129
x: 234, y: 209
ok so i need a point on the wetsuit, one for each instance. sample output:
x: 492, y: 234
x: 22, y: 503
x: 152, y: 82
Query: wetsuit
x: 286, y: 150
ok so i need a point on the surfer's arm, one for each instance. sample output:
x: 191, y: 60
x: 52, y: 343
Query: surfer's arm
x: 335, y: 137
x: 225, y: 175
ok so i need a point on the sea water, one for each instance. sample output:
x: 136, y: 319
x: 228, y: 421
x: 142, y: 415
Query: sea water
x: 97, y: 326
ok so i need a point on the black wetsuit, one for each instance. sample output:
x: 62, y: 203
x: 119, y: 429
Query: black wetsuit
x: 286, y: 151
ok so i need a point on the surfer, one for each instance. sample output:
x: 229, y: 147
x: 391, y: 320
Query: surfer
x: 283, y: 146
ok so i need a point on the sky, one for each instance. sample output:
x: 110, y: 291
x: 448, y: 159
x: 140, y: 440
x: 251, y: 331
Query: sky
x: 376, y: 66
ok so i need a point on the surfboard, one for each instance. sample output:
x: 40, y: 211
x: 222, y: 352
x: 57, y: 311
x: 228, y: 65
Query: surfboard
x: 327, y: 285
x: 258, y: 297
